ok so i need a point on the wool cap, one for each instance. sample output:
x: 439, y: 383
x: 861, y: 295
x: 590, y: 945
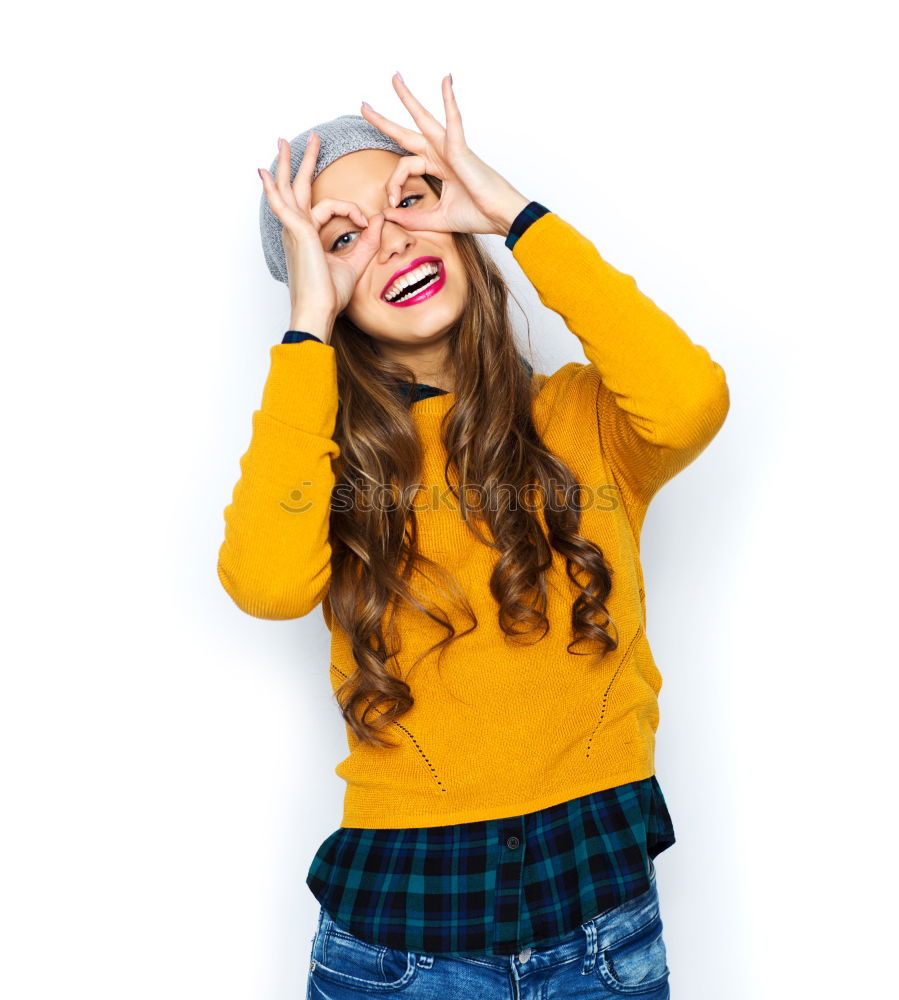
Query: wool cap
x: 340, y: 136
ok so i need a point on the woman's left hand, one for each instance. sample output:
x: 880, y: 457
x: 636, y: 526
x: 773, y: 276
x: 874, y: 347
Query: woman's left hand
x: 474, y: 199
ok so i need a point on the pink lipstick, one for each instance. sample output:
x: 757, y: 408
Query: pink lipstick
x: 434, y: 285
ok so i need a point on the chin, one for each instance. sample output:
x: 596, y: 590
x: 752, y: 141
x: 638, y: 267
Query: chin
x: 418, y: 324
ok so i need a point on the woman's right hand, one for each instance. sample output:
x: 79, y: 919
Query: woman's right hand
x: 321, y: 283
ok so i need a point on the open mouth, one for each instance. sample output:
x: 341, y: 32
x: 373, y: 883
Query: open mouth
x: 417, y: 285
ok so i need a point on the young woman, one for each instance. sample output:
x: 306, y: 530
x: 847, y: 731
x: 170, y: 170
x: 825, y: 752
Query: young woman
x: 471, y: 530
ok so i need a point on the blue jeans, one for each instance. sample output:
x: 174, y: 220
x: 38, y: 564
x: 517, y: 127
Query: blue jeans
x: 619, y: 953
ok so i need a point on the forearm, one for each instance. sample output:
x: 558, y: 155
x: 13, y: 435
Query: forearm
x: 275, y: 558
x: 668, y: 385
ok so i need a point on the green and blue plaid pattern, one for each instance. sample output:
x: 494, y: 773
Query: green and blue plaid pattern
x: 530, y: 213
x: 494, y: 887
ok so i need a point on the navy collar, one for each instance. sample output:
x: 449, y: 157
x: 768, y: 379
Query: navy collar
x: 423, y: 391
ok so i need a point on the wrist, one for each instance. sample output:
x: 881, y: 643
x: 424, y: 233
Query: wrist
x: 507, y: 211
x: 321, y: 324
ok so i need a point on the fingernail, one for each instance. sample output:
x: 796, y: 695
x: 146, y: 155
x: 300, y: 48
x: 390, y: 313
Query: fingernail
x: 400, y: 75
x: 365, y: 104
x: 451, y: 79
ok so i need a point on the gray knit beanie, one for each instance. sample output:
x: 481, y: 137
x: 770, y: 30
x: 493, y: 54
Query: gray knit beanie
x: 340, y: 136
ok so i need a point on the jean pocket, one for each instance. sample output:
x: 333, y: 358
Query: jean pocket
x: 341, y: 959
x: 636, y: 963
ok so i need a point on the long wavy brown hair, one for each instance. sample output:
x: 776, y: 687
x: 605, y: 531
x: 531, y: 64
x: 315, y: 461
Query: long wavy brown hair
x: 492, y: 451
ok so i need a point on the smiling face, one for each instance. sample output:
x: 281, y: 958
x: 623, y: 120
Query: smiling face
x: 418, y: 322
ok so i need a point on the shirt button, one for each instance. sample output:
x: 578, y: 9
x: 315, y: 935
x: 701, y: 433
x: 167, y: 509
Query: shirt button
x: 513, y: 842
x: 524, y: 955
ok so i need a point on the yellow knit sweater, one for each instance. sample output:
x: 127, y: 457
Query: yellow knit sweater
x: 501, y: 729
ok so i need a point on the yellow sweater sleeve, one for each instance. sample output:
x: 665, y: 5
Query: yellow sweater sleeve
x: 275, y: 560
x: 660, y: 398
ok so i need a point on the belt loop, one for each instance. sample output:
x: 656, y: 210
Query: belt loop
x: 591, y: 950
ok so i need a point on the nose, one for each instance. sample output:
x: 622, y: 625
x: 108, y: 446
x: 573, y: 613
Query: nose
x: 394, y: 237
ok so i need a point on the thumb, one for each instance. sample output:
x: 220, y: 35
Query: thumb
x: 367, y: 244
x: 370, y: 237
x: 417, y: 218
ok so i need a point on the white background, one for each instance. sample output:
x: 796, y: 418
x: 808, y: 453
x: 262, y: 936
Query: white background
x: 167, y: 761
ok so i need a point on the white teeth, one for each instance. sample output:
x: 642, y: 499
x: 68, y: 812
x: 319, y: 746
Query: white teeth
x: 406, y: 294
x: 399, y: 286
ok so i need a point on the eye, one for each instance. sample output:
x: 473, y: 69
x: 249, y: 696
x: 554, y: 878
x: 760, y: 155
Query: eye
x: 408, y: 196
x: 337, y: 245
